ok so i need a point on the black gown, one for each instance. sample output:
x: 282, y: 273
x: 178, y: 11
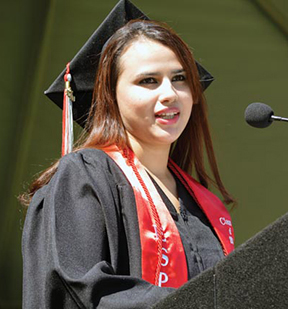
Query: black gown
x: 81, y: 244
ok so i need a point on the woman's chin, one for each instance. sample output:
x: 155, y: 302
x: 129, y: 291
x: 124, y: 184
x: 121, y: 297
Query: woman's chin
x: 165, y: 140
x: 155, y: 138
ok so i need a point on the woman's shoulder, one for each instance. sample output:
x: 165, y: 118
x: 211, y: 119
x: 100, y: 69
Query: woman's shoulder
x: 94, y: 163
x: 84, y: 168
x: 88, y: 160
x: 87, y: 156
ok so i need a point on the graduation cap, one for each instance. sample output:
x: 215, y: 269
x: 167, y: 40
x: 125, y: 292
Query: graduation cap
x: 84, y: 65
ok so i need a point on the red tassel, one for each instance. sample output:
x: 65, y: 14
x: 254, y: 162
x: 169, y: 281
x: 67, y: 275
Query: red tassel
x: 67, y: 116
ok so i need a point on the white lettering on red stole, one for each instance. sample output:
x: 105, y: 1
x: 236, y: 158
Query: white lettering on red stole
x: 227, y: 222
x: 163, y: 277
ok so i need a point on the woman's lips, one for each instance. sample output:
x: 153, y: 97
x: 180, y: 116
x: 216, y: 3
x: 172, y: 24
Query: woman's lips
x: 167, y: 117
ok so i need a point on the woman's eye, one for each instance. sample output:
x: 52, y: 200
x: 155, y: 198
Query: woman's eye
x: 178, y: 78
x: 149, y: 80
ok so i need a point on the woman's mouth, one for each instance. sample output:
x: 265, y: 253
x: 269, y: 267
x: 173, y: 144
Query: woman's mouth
x: 167, y: 115
x: 167, y: 118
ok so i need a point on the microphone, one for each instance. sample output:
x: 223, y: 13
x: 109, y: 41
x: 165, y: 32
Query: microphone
x: 260, y: 115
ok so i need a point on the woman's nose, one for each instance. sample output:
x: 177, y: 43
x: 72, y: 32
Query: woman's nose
x: 167, y: 93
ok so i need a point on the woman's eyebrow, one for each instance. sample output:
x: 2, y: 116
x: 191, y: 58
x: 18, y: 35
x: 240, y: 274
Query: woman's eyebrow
x: 145, y: 74
x: 178, y: 71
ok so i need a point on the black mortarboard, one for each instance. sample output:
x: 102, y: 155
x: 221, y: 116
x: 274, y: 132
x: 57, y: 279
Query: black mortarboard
x: 83, y: 65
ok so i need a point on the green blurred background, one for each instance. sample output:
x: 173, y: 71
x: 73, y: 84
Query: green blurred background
x: 243, y: 43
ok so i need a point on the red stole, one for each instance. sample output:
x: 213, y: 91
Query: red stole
x: 163, y: 258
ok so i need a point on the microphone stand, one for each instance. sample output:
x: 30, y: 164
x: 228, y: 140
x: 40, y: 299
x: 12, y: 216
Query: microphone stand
x: 278, y: 118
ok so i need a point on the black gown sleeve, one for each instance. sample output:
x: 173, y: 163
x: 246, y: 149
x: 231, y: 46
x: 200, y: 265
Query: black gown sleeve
x: 74, y: 245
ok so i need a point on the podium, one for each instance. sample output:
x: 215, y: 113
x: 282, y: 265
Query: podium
x: 254, y: 276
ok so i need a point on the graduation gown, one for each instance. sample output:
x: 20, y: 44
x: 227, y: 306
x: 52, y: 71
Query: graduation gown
x: 81, y: 244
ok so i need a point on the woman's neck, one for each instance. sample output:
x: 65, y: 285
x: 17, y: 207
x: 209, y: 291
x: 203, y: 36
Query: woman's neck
x: 153, y: 158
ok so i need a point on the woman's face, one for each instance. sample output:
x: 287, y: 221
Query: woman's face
x: 154, y: 99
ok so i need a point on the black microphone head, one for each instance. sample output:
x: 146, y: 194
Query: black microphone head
x: 258, y: 115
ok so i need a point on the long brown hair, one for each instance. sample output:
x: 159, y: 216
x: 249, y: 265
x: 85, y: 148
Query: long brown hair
x: 104, y: 126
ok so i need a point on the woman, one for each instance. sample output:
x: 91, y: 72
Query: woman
x: 117, y: 223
